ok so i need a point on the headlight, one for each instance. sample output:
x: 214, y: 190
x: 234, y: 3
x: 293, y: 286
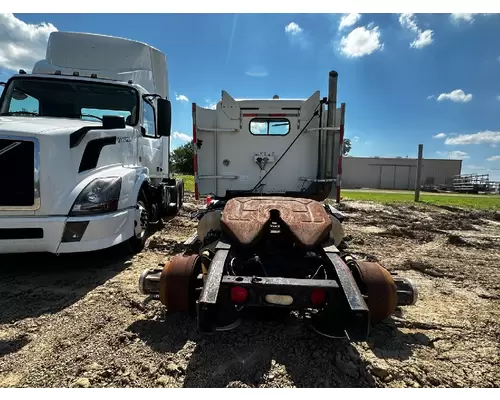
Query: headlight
x: 99, y: 196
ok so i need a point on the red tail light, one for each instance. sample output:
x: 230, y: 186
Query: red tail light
x: 238, y: 294
x: 208, y: 200
x: 318, y: 297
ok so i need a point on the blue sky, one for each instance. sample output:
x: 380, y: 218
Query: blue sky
x: 404, y: 78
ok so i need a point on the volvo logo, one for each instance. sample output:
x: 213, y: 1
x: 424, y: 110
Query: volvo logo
x: 9, y: 147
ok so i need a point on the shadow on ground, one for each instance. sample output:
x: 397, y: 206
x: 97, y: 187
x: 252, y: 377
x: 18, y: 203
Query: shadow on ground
x: 260, y: 350
x: 388, y: 342
x: 12, y: 345
x: 34, y: 284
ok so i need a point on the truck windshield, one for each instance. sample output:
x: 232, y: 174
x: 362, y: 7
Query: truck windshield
x: 64, y: 98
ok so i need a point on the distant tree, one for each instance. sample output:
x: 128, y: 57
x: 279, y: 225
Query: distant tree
x: 347, y: 147
x: 182, y: 160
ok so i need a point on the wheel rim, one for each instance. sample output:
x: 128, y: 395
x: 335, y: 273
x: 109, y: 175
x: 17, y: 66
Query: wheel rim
x: 141, y: 221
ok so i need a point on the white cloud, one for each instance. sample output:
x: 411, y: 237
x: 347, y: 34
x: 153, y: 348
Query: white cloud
x: 22, y: 44
x: 424, y: 38
x: 430, y: 97
x: 297, y: 35
x: 348, y: 20
x: 293, y: 29
x: 465, y: 17
x: 210, y: 104
x: 182, y: 136
x: 498, y: 97
x: 361, y: 42
x: 181, y: 97
x: 457, y: 96
x: 259, y: 128
x: 494, y: 158
x: 407, y: 20
x: 485, y: 137
x: 257, y: 72
x: 454, y: 155
x: 439, y: 136
x: 355, y: 139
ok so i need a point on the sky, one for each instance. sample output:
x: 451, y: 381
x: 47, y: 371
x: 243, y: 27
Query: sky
x: 406, y: 79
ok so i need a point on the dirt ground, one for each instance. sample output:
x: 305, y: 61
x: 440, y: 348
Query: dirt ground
x: 79, y: 320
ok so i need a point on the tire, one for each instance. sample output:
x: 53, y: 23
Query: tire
x: 177, y: 193
x: 141, y: 227
x: 173, y: 195
x: 180, y: 190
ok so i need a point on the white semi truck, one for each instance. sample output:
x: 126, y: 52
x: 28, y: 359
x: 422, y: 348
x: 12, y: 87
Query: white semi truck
x: 85, y: 146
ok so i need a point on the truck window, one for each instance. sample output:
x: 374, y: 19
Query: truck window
x: 23, y: 103
x: 269, y: 126
x: 89, y: 114
x: 149, y: 119
x: 68, y: 98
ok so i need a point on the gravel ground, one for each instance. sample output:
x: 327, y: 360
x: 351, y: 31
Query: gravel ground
x: 79, y: 321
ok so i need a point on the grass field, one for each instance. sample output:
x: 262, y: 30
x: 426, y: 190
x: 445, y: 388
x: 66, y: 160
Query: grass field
x: 188, y: 182
x: 486, y: 202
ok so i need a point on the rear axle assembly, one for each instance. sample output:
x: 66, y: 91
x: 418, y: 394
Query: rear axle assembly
x: 276, y: 253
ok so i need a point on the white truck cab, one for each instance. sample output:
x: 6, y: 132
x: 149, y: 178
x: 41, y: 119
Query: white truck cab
x: 84, y: 147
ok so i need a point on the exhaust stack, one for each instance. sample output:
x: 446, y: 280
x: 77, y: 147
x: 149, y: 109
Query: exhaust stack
x: 328, y: 151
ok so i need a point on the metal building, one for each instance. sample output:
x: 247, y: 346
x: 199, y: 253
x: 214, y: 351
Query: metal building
x: 396, y: 173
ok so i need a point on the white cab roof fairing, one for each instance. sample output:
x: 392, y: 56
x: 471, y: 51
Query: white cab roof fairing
x: 108, y: 57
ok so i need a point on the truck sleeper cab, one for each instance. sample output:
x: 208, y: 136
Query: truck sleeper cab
x: 84, y: 157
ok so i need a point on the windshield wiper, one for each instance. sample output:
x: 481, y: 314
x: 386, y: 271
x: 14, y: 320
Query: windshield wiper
x: 84, y: 115
x: 20, y: 112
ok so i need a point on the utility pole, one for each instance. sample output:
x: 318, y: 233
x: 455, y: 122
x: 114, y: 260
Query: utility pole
x: 419, y: 170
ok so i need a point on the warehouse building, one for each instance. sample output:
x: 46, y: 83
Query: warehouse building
x: 396, y: 173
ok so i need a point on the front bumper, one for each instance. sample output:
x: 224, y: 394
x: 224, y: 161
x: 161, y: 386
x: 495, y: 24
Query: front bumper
x: 65, y: 234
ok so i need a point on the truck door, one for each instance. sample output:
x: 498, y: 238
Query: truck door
x: 150, y: 144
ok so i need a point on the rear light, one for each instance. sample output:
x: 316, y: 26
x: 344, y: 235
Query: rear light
x: 208, y: 200
x: 318, y: 297
x: 280, y: 299
x: 238, y: 294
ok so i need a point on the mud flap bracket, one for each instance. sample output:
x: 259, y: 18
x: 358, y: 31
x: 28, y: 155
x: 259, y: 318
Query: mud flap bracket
x: 355, y: 313
x: 206, y: 305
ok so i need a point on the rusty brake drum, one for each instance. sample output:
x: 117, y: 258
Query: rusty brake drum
x: 378, y: 287
x: 179, y: 282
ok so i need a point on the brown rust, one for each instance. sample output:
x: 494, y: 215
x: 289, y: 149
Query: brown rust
x: 178, y: 282
x: 245, y: 217
x: 379, y: 287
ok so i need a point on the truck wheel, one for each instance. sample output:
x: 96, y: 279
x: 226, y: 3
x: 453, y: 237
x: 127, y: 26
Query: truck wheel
x: 180, y: 191
x: 171, y: 211
x: 141, y: 225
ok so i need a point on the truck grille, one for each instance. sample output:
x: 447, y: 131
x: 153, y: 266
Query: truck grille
x: 19, y: 164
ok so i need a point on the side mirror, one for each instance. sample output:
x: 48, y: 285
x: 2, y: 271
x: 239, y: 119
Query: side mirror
x: 113, y: 122
x: 164, y: 112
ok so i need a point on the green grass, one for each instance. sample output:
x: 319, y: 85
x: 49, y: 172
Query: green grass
x: 188, y: 182
x: 485, y: 202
